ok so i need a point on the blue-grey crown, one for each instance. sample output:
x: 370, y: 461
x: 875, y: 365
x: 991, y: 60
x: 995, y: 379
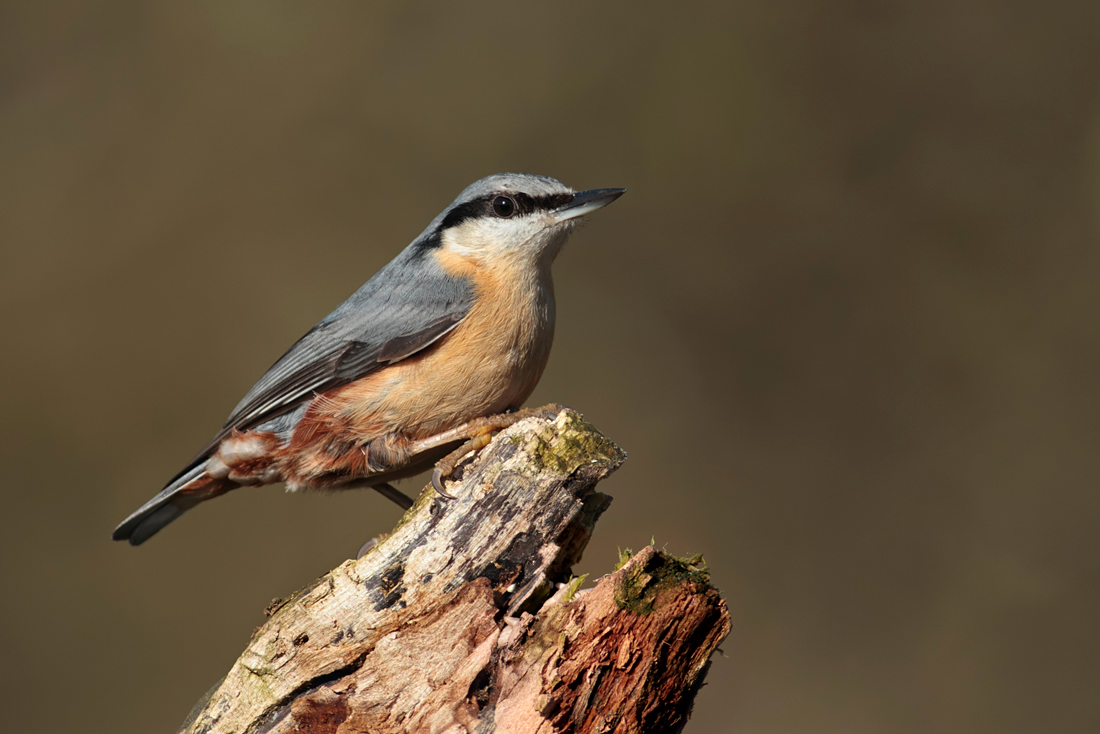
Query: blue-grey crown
x: 530, y: 184
x: 528, y: 191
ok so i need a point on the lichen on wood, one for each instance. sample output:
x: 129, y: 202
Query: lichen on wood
x: 462, y: 620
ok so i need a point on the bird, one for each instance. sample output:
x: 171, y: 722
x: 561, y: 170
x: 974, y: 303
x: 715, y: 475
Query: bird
x: 439, y: 349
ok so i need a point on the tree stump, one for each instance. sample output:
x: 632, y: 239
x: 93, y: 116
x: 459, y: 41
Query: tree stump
x: 465, y: 617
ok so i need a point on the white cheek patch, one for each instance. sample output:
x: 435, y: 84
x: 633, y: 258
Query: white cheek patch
x: 487, y: 236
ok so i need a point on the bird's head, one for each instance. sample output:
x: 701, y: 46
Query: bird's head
x: 516, y: 218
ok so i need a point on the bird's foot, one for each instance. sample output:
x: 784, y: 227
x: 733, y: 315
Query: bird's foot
x: 370, y: 544
x: 445, y: 466
x: 479, y: 432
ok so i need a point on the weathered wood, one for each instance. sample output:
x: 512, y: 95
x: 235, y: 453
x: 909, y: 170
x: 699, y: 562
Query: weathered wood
x: 459, y: 621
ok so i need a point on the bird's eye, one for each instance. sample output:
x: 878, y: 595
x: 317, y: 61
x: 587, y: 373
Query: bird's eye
x: 504, y: 206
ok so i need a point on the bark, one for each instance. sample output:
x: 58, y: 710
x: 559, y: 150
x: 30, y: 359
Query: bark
x: 461, y: 619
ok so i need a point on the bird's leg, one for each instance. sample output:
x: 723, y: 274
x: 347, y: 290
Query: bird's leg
x: 393, y: 494
x: 477, y: 433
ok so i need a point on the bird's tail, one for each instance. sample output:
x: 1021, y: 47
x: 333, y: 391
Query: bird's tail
x: 184, y: 492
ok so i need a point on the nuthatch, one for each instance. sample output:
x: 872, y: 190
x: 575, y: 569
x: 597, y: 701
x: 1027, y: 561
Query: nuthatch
x: 426, y: 356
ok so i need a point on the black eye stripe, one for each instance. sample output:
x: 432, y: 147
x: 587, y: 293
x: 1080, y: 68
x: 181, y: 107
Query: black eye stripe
x: 524, y: 203
x: 549, y: 202
x: 483, y: 206
x: 464, y: 211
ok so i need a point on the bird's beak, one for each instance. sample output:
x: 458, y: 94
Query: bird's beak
x: 585, y: 202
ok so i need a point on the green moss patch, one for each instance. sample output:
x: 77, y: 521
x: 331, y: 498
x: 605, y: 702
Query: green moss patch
x: 640, y: 586
x: 577, y: 443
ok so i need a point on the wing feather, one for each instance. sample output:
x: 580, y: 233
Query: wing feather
x: 406, y: 307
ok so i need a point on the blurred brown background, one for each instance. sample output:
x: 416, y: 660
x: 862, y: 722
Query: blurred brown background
x: 845, y: 322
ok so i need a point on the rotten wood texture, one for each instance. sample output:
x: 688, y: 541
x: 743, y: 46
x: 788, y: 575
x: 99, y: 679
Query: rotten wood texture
x: 461, y: 620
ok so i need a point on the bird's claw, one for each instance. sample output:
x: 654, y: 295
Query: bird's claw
x: 437, y: 484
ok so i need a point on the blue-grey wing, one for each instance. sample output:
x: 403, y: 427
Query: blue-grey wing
x: 324, y: 360
x: 407, y: 306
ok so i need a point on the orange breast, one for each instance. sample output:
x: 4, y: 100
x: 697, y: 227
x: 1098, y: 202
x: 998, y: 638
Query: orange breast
x: 490, y: 362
